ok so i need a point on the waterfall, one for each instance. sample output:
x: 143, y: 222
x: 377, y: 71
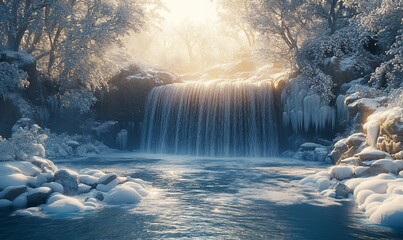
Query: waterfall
x: 121, y: 139
x: 214, y: 118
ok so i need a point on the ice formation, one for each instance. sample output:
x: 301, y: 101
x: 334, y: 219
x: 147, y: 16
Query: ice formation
x: 304, y: 111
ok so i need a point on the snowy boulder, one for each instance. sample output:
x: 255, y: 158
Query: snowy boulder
x: 122, y: 195
x: 359, y: 170
x: 38, y: 196
x: 12, y: 192
x: 387, y: 164
x: 345, y: 68
x: 26, y: 168
x: 68, y: 179
x: 136, y: 186
x: 342, y: 190
x: 14, y: 180
x: 380, y: 166
x: 370, y: 153
x: 348, y: 147
x: 60, y: 204
x: 312, y: 152
x: 107, y: 187
x: 356, y: 139
x: 313, y: 179
x: 375, y: 185
x: 389, y: 213
x: 339, y: 149
x: 309, y: 146
x: 20, y: 201
x: 107, y: 178
x: 355, y: 161
x: 56, y: 187
x: 399, y: 164
x: 341, y: 172
x: 99, y: 196
x: 364, y: 107
x: 92, y: 172
x: 82, y: 188
x: 89, y: 180
x: 322, y: 184
x: 4, y: 203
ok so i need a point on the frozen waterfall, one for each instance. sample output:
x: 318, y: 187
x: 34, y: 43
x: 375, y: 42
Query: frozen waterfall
x: 214, y: 118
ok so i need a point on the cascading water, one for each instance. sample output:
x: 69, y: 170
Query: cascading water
x: 215, y: 118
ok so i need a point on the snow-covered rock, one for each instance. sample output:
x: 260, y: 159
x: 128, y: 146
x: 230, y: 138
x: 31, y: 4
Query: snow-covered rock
x: 20, y: 201
x: 389, y: 212
x: 62, y: 204
x: 379, y: 195
x: 56, y: 187
x: 4, y: 203
x: 107, y: 187
x: 14, y: 180
x: 341, y: 172
x: 312, y: 152
x: 89, y: 180
x: 342, y: 190
x: 83, y: 188
x: 107, y: 178
x: 92, y: 172
x: 348, y: 147
x: 361, y: 108
x: 122, y: 195
x: 38, y: 196
x: 33, y: 184
x: 25, y: 168
x: 370, y: 153
x: 12, y: 192
x: 68, y: 179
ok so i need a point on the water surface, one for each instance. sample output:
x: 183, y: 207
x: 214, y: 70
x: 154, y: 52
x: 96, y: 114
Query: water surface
x: 206, y: 198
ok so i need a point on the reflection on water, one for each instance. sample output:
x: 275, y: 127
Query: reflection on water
x: 207, y: 199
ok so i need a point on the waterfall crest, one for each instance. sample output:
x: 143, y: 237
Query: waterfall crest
x: 215, y: 118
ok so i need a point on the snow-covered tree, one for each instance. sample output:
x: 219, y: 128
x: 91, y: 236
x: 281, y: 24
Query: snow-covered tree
x: 69, y: 37
x: 390, y: 73
x: 282, y: 23
x: 234, y: 14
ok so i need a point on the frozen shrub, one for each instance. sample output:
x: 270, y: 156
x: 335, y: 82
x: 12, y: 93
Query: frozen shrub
x: 11, y: 78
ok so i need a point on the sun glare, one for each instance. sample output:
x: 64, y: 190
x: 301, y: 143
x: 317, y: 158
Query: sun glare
x: 191, y: 10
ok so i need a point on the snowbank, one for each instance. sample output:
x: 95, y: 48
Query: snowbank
x: 379, y: 194
x: 39, y: 185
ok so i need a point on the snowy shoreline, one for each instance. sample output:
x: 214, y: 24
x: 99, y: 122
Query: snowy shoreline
x: 38, y: 188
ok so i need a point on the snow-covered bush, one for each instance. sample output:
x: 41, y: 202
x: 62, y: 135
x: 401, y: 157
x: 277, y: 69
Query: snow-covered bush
x: 64, y: 145
x: 319, y: 83
x: 79, y: 99
x: 11, y: 78
x: 23, y: 144
x: 31, y: 140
